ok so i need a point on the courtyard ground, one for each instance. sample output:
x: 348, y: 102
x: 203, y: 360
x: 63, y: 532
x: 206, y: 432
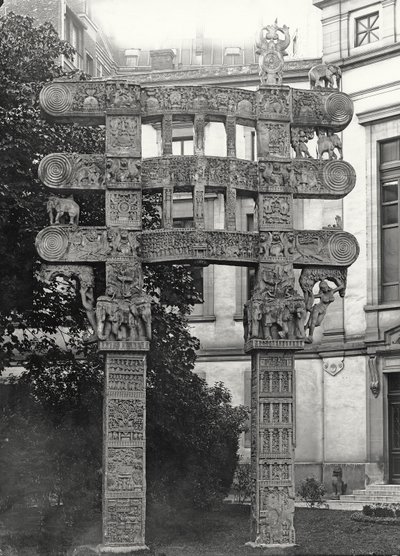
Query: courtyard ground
x: 219, y: 533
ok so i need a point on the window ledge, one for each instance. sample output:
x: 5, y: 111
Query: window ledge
x: 201, y: 318
x: 382, y: 307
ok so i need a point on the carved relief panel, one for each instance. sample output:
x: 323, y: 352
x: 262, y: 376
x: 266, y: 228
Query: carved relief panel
x: 274, y: 103
x: 124, y: 521
x: 123, y: 173
x: 124, y: 208
x: 275, y: 211
x: 123, y: 136
x: 273, y: 139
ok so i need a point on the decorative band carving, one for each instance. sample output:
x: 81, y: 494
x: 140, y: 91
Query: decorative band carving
x: 303, y: 247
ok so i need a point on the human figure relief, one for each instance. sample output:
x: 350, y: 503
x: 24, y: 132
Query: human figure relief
x: 318, y: 310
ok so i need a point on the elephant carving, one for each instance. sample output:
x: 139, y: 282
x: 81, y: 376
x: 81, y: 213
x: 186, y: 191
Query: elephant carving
x: 328, y: 74
x: 57, y: 207
x: 327, y: 143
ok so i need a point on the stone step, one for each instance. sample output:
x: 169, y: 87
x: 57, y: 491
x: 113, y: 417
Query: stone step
x: 371, y: 498
x: 377, y: 492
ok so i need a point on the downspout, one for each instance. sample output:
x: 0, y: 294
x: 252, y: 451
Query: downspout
x: 62, y: 27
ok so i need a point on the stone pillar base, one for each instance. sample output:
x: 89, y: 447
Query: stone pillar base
x: 100, y: 549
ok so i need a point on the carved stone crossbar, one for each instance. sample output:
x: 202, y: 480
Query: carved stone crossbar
x: 89, y: 101
x: 304, y: 178
x: 302, y: 247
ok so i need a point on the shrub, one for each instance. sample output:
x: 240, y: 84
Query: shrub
x: 241, y: 485
x: 381, y: 510
x: 311, y: 491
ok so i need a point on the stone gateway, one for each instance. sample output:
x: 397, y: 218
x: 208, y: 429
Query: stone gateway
x: 278, y: 318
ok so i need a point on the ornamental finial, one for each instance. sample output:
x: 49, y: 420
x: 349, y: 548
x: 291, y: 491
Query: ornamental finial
x: 271, y: 49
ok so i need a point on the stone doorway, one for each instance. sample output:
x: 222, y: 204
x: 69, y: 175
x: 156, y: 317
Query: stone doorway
x: 394, y: 427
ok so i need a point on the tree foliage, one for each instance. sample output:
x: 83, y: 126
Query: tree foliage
x: 51, y: 425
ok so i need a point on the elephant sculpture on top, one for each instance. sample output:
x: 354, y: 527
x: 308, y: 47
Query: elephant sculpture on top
x: 328, y: 74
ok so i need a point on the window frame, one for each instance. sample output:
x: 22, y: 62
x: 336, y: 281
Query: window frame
x: 388, y: 172
x: 368, y: 30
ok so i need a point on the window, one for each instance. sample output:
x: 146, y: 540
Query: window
x: 182, y: 145
x: 367, y: 28
x: 233, y: 55
x: 74, y: 35
x: 132, y: 57
x: 89, y: 64
x: 389, y: 194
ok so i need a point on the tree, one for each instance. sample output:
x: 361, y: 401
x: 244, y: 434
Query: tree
x: 63, y: 379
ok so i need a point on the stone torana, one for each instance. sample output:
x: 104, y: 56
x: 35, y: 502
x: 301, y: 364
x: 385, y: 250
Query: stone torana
x: 279, y: 317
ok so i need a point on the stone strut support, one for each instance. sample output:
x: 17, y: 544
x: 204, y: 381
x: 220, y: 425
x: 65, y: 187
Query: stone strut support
x: 278, y: 318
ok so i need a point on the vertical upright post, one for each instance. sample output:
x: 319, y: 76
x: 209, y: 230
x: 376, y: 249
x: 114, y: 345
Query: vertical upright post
x: 199, y: 125
x: 166, y: 134
x: 275, y: 315
x: 124, y: 336
x: 230, y: 129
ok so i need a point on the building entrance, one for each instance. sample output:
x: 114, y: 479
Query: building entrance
x: 394, y: 427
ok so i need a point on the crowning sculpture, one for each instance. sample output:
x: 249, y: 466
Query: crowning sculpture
x: 277, y: 318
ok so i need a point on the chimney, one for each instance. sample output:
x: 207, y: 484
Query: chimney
x: 162, y: 59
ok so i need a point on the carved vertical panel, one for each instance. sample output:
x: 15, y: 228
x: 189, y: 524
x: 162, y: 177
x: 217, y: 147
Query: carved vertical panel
x: 167, y: 214
x: 230, y: 128
x: 230, y: 209
x: 199, y: 124
x: 124, y: 484
x: 198, y: 206
x: 123, y: 135
x: 272, y: 447
x: 124, y: 208
x: 166, y: 134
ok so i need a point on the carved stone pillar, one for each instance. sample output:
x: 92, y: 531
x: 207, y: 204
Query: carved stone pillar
x: 230, y: 128
x: 199, y: 125
x: 272, y: 445
x: 167, y: 207
x: 166, y: 134
x: 230, y: 209
x: 124, y: 450
x: 123, y: 319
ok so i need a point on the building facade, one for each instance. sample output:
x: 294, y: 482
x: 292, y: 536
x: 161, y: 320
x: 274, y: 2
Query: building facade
x: 73, y: 21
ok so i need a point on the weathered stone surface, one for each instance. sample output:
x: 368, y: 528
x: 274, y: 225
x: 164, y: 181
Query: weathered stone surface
x: 303, y: 247
x: 305, y: 178
x: 88, y: 102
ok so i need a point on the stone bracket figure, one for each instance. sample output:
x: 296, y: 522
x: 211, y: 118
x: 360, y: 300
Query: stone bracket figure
x: 327, y: 143
x: 318, y: 310
x: 58, y: 207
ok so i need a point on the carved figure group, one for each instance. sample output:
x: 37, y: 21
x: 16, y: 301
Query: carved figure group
x: 60, y: 207
x: 327, y: 143
x: 327, y: 74
x: 123, y: 319
x: 271, y: 319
